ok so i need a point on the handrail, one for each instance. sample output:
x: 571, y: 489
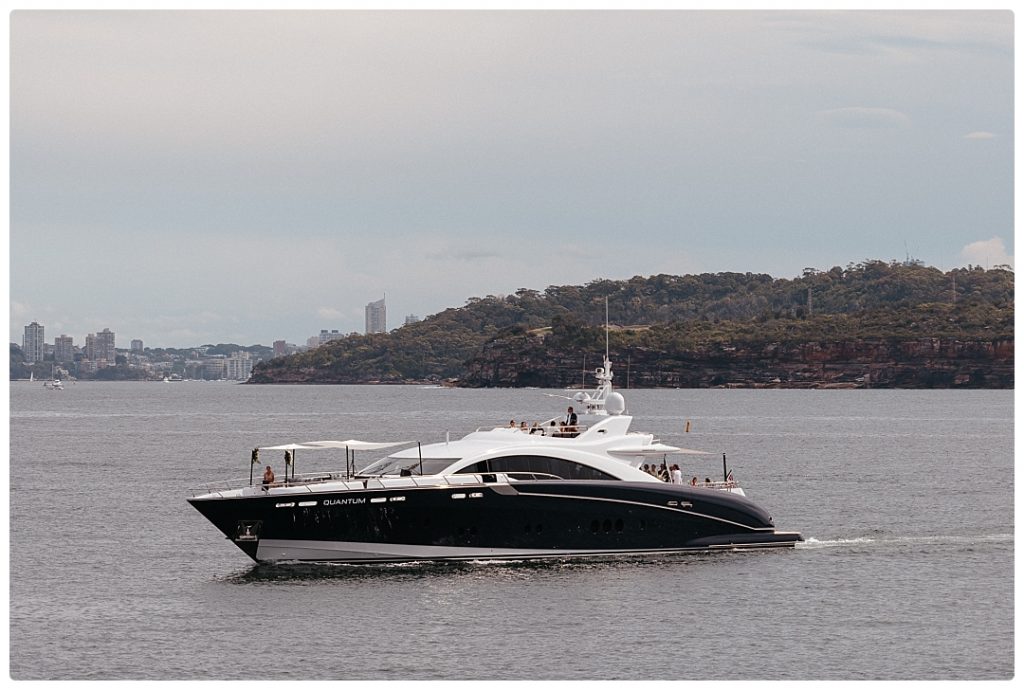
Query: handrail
x: 309, y: 481
x: 547, y: 431
x: 713, y: 485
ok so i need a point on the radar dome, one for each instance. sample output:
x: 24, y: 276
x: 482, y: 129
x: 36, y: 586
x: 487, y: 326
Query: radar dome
x: 581, y: 397
x: 615, y: 403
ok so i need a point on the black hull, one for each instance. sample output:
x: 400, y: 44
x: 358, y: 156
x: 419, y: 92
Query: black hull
x: 521, y: 520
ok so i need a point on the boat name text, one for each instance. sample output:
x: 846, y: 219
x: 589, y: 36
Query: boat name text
x: 343, y: 501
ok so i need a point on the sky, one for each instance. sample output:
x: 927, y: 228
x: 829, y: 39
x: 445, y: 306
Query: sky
x: 212, y: 177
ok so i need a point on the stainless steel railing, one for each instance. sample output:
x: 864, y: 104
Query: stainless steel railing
x: 313, y: 483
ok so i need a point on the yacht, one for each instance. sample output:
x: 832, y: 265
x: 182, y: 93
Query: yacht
x: 559, y: 489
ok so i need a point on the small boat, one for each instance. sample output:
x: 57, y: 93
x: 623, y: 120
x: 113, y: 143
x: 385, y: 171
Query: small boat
x: 568, y: 487
x: 54, y: 383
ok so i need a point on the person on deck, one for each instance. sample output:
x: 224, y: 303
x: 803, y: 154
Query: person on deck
x: 677, y: 475
x: 570, y: 420
x: 268, y: 476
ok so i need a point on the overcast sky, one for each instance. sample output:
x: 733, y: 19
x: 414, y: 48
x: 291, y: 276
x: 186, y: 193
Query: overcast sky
x: 189, y: 178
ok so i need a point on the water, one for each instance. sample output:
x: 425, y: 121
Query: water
x: 905, y: 498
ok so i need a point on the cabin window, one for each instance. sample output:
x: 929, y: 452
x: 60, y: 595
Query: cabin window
x: 566, y: 469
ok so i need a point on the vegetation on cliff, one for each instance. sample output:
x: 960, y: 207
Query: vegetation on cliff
x: 669, y: 316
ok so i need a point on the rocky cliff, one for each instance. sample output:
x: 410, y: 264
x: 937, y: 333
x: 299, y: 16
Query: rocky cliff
x: 881, y: 363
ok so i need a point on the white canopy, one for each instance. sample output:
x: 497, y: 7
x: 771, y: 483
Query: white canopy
x: 353, y: 444
x: 289, y: 446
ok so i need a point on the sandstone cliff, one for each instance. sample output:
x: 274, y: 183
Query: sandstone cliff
x: 916, y: 363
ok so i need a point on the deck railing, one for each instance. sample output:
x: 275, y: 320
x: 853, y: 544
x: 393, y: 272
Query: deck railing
x: 311, y: 483
x: 548, y: 431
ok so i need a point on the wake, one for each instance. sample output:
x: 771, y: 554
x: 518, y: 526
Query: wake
x: 927, y: 540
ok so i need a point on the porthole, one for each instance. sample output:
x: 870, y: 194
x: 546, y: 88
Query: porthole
x: 607, y: 526
x: 595, y: 526
x: 618, y: 525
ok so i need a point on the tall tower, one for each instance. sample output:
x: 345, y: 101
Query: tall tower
x: 376, y: 317
x: 32, y: 343
x: 64, y: 348
x: 105, y: 346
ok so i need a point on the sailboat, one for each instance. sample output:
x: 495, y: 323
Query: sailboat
x: 54, y: 383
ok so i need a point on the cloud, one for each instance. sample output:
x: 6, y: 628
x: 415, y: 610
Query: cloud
x: 465, y: 254
x: 868, y: 118
x: 986, y: 253
x: 19, y: 311
x: 980, y: 135
x: 328, y: 313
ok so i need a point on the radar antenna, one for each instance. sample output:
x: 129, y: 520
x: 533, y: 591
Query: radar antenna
x: 597, y: 402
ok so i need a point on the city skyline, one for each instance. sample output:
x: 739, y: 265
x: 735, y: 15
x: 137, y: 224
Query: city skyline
x: 246, y: 177
x: 34, y: 340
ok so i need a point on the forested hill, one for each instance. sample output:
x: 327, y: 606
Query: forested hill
x: 494, y: 340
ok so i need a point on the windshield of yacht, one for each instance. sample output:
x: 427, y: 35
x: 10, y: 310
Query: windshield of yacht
x: 410, y: 465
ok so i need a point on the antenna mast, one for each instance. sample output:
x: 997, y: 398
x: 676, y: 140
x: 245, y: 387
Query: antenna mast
x: 606, y: 329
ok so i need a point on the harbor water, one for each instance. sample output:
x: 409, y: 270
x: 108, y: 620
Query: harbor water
x: 905, y: 499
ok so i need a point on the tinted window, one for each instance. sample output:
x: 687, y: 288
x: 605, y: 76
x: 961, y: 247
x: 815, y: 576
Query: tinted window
x: 392, y: 465
x: 565, y: 469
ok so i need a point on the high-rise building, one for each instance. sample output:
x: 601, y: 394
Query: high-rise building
x: 280, y: 348
x: 411, y: 318
x: 214, y: 368
x: 238, y: 366
x: 90, y: 347
x: 137, y: 348
x: 376, y: 317
x: 105, y: 346
x: 32, y: 344
x: 64, y: 348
